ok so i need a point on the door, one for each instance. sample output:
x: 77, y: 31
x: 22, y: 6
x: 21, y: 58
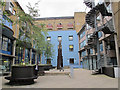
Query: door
x: 48, y: 61
x: 71, y: 60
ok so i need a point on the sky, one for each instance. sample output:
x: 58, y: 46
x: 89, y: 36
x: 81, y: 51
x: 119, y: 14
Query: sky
x: 55, y: 8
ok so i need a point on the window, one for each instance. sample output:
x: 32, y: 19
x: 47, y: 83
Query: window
x: 71, y: 60
x: 82, y: 34
x: 59, y: 26
x: 101, y: 47
x: 48, y: 38
x: 82, y: 44
x: 83, y: 53
x: 59, y: 38
x: 11, y: 7
x: 91, y: 51
x: 109, y: 9
x: 70, y: 26
x: 49, y: 26
x: 88, y: 26
x: 70, y: 47
x: 71, y: 38
x: 99, y: 34
x: 5, y: 44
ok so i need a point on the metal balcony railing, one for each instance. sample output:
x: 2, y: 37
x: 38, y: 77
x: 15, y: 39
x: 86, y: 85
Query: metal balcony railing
x: 107, y: 28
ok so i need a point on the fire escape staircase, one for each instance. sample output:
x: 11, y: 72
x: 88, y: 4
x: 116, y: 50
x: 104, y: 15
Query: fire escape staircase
x: 107, y: 28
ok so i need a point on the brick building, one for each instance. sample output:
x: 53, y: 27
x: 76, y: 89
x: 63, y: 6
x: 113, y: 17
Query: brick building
x: 65, y: 29
x: 10, y: 32
x: 99, y: 37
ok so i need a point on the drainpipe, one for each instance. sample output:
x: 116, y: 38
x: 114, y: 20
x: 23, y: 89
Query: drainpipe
x: 115, y: 37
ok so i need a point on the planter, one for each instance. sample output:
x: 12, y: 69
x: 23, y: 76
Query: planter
x: 22, y: 74
x: 43, y: 67
x: 109, y: 71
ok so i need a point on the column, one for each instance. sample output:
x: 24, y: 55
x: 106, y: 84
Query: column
x: 30, y: 56
x: 43, y: 58
x: 35, y: 57
x: 117, y: 50
x: 90, y: 63
x: 13, y: 53
x: 115, y: 37
x: 104, y: 52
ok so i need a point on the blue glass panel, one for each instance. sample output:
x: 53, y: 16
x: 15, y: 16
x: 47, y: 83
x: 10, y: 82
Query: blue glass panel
x: 5, y: 52
x: 7, y: 22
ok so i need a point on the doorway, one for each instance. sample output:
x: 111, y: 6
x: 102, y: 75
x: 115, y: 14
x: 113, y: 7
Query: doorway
x: 71, y: 60
x: 48, y: 61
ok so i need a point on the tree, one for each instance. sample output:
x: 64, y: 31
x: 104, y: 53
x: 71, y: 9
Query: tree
x: 30, y: 30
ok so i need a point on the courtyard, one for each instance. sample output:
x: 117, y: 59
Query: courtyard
x: 57, y: 44
x: 81, y: 79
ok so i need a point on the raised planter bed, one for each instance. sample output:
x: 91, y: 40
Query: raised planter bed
x: 22, y: 74
x: 109, y: 71
x: 44, y: 67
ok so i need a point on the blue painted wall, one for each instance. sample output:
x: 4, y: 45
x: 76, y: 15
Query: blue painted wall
x: 65, y: 46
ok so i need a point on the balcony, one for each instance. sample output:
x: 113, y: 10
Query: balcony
x: 7, y: 22
x: 7, y: 27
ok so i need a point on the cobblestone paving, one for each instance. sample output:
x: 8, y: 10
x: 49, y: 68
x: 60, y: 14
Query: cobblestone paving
x: 81, y: 79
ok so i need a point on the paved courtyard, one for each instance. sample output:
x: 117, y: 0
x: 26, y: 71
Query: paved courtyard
x: 82, y: 79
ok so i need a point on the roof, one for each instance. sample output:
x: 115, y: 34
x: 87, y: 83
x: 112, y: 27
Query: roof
x: 49, y: 18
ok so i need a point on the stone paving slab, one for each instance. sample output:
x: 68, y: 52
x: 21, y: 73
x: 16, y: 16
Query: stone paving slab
x: 58, y: 72
x: 81, y: 79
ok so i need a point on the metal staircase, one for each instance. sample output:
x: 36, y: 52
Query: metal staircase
x: 98, y: 68
x: 88, y: 3
x: 106, y: 28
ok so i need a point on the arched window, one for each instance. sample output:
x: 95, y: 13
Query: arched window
x: 59, y: 26
x: 49, y: 26
x: 70, y: 26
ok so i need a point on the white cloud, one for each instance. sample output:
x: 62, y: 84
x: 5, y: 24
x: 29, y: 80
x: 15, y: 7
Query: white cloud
x: 56, y: 8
